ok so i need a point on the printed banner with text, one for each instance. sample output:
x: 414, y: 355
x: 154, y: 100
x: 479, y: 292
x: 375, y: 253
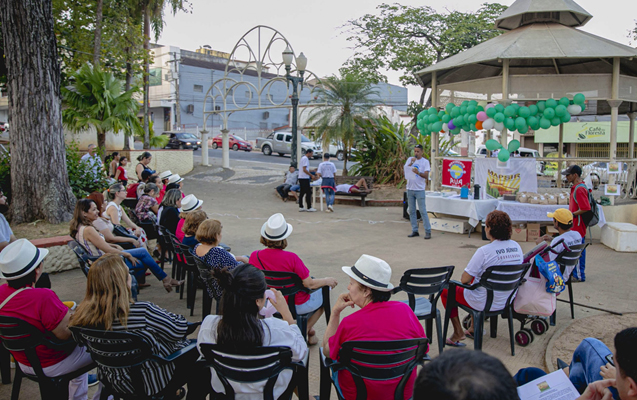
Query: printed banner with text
x: 456, y: 173
x: 511, y: 177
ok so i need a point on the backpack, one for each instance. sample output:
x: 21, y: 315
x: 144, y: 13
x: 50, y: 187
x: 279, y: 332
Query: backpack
x: 591, y: 217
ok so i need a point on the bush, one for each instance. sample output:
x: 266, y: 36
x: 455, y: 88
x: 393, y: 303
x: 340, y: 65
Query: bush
x: 82, y: 176
x: 5, y: 175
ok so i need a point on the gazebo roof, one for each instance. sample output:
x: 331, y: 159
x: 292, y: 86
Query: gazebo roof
x: 524, y: 12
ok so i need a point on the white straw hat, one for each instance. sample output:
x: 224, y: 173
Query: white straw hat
x: 276, y: 228
x: 372, y: 272
x: 165, y: 175
x: 174, y: 178
x: 19, y: 258
x: 190, y: 203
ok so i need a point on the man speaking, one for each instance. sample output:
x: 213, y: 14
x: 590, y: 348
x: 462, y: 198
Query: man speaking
x: 417, y: 172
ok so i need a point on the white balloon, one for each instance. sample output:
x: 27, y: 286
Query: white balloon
x: 574, y: 109
x: 499, y: 126
x: 445, y: 127
x: 488, y: 124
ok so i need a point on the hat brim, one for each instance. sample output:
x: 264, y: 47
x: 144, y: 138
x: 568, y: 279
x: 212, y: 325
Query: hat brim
x: 43, y: 253
x: 287, y: 233
x: 348, y: 271
x: 199, y: 203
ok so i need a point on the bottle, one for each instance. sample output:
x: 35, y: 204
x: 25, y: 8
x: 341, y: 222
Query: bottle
x: 464, y: 192
x: 476, y: 192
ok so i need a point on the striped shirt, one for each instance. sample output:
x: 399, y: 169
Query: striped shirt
x: 164, y: 332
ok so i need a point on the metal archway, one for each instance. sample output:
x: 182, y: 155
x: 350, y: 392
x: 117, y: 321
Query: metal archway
x: 256, y: 46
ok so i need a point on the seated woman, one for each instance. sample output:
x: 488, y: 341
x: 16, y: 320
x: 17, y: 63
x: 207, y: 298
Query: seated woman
x: 274, y: 234
x: 105, y: 227
x: 93, y: 242
x: 241, y: 326
x: 191, y: 224
x: 116, y: 194
x: 168, y: 214
x: 189, y: 204
x: 143, y: 160
x: 209, y: 236
x: 108, y: 306
x: 147, y: 206
x: 501, y: 251
x: 369, y: 288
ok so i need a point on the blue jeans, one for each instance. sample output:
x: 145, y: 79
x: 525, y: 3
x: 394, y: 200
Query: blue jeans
x: 414, y: 196
x: 582, y: 264
x: 329, y: 193
x: 588, y: 357
x: 147, y: 262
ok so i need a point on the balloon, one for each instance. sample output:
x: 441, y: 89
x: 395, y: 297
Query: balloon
x: 451, y: 125
x: 524, y: 112
x: 499, y: 108
x: 509, y: 111
x: 498, y: 117
x: 432, y: 111
x: 466, y: 127
x: 471, y: 109
x: 499, y: 126
x: 491, y: 112
x: 533, y: 122
x: 560, y: 110
x: 483, y: 104
x: 479, y: 108
x: 488, y: 123
x: 574, y: 109
x: 472, y: 119
x: 583, y: 105
x: 446, y: 118
x: 551, y: 103
x: 566, y: 118
x: 455, y: 131
x: 437, y: 126
x: 520, y: 123
x: 565, y: 101
x: 503, y: 155
x: 464, y: 103
x: 492, y: 144
x: 432, y: 118
x: 422, y: 114
x: 445, y: 127
x: 533, y: 109
x: 488, y: 106
x: 524, y: 130
x: 513, y: 145
x: 473, y: 103
x: 463, y: 110
x: 482, y: 116
x: 549, y: 113
x: 509, y: 123
x: 420, y: 125
x: 441, y: 113
x: 479, y: 126
x: 579, y: 99
x: 541, y: 106
x: 455, y: 112
x: 556, y: 121
x: 449, y: 106
x: 545, y: 123
x: 458, y: 121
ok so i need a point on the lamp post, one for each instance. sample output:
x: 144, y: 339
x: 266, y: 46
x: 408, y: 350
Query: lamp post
x: 301, y: 63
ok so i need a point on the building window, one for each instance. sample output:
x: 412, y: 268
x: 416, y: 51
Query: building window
x: 263, y: 125
x: 269, y: 97
x: 198, y: 88
x: 248, y: 94
x: 217, y: 108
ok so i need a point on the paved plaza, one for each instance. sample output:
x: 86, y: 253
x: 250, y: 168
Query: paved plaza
x: 243, y: 198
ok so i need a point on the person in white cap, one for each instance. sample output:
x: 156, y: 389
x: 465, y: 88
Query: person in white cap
x: 189, y: 204
x: 378, y: 319
x: 21, y: 266
x: 174, y: 182
x: 274, y: 234
x: 164, y: 181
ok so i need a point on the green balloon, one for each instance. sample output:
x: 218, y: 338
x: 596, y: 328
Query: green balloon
x: 492, y: 145
x: 520, y: 123
x: 503, y: 155
x: 499, y: 108
x: 432, y: 111
x: 556, y: 121
x: 473, y: 103
x: 420, y: 125
x: 455, y: 112
x: 437, y: 126
x: 533, y: 109
x: 513, y: 145
x: 565, y: 101
x: 463, y: 110
x: 541, y: 106
x: 432, y: 118
x: 491, y: 112
x: 545, y: 123
x: 560, y: 110
x: 471, y: 110
x: 466, y: 128
x: 449, y: 107
x: 566, y: 118
x: 524, y: 112
x: 473, y: 119
x: 455, y: 131
x: 549, y: 113
x: 533, y: 122
x: 523, y: 130
x: 441, y: 113
x: 472, y: 127
x: 509, y: 111
x: 446, y: 118
x: 479, y: 108
x: 498, y: 117
x: 422, y: 114
x: 509, y: 123
x: 464, y: 104
x: 458, y: 121
x: 552, y: 103
x: 579, y: 99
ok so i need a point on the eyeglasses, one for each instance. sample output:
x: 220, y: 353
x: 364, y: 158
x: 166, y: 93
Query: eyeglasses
x: 123, y: 190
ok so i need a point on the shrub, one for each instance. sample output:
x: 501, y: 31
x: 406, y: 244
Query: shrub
x: 82, y: 176
x: 5, y: 175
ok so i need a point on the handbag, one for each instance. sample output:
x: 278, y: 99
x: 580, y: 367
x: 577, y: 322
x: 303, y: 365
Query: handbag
x: 119, y: 230
x: 532, y: 297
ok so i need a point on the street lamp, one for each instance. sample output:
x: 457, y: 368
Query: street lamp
x: 301, y: 63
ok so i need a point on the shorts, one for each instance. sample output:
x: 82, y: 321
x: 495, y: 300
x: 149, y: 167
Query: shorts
x: 353, y: 187
x: 312, y: 304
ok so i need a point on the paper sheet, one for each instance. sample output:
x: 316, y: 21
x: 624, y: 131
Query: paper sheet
x: 554, y: 386
x: 409, y: 173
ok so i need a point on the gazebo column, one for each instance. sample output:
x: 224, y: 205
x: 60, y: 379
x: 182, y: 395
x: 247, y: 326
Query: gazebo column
x: 560, y: 153
x: 505, y: 98
x: 614, y: 104
x: 631, y: 134
x: 435, y: 136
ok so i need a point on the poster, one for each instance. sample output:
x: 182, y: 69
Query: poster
x: 614, y: 168
x: 613, y: 190
x: 498, y: 179
x: 456, y: 173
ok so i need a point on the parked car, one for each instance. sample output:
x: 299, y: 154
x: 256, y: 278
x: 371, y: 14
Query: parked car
x: 281, y: 143
x: 336, y: 150
x: 4, y: 126
x: 182, y: 140
x: 481, y: 151
x: 598, y: 171
x: 234, y: 143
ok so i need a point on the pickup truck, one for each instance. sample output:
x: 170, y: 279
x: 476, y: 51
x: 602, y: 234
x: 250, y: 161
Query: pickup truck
x: 281, y: 143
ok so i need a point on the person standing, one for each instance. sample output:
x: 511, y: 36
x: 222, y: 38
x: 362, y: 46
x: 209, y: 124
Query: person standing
x: 92, y: 159
x: 327, y: 170
x: 417, y: 172
x: 291, y: 178
x: 121, y: 176
x: 304, y: 182
x: 112, y: 166
x: 578, y: 205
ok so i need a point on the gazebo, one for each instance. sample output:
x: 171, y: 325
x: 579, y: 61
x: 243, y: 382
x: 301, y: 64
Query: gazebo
x: 540, y: 55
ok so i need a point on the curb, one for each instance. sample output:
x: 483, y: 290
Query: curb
x: 548, y: 355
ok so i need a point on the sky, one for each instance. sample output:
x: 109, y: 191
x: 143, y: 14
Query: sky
x: 314, y: 28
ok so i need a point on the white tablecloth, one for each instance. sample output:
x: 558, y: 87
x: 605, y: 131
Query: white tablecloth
x: 523, y: 212
x: 475, y: 210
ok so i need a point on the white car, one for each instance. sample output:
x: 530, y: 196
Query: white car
x: 481, y: 151
x: 598, y: 171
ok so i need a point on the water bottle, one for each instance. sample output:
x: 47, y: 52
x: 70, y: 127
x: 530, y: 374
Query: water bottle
x: 476, y: 192
x: 464, y: 192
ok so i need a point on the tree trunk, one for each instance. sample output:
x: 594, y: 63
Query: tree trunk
x: 97, y: 42
x: 127, y: 85
x: 101, y: 143
x: 146, y: 74
x: 39, y: 180
x: 345, y: 157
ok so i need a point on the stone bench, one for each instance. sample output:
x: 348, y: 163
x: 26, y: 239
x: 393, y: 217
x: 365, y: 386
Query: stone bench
x: 620, y: 236
x: 51, y: 242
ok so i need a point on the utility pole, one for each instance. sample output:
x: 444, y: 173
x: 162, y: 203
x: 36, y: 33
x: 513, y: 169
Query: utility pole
x: 174, y: 75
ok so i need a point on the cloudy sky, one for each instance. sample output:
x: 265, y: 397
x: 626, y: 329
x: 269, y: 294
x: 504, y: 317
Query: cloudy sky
x: 314, y: 27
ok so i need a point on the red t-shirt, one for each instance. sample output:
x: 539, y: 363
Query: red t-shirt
x: 162, y: 193
x: 281, y: 260
x: 41, y: 308
x: 131, y: 191
x: 393, y: 320
x: 579, y: 201
x: 179, y: 233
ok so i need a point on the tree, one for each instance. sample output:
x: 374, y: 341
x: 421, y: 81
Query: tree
x: 346, y: 98
x: 96, y: 99
x: 39, y: 180
x: 407, y: 39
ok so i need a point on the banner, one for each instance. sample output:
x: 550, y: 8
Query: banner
x: 456, y: 173
x: 498, y: 178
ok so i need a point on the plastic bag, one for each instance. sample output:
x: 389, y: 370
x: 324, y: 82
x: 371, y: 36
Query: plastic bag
x: 532, y: 297
x: 551, y: 271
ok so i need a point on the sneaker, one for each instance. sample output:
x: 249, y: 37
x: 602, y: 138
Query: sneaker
x: 92, y: 379
x: 70, y: 304
x: 301, y: 209
x: 427, y: 235
x: 413, y: 234
x: 311, y: 209
x: 330, y: 208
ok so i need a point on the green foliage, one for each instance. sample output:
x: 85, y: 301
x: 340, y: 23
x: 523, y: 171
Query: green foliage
x: 407, y: 39
x: 83, y: 178
x: 5, y: 175
x: 156, y: 141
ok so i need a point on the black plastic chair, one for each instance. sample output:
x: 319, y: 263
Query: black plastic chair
x: 253, y: 365
x: 373, y: 360
x: 289, y: 284
x: 19, y: 335
x: 499, y: 278
x: 569, y: 257
x: 426, y: 282
x: 124, y: 350
x: 83, y: 257
x: 5, y: 365
x: 166, y: 247
x: 191, y: 273
x: 204, y: 275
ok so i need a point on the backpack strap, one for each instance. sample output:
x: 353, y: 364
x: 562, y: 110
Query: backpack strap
x: 12, y: 295
x: 575, y: 192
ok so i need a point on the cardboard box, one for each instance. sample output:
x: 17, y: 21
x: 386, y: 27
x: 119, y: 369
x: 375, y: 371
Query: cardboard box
x: 533, y: 232
x: 452, y: 225
x: 519, y: 234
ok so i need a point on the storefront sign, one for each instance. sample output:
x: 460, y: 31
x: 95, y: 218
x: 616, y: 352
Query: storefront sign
x: 456, y: 173
x: 583, y: 132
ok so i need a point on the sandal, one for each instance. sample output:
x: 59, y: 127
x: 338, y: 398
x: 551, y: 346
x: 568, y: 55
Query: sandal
x: 143, y: 285
x: 451, y: 343
x: 171, y: 284
x: 312, y: 340
x: 468, y: 334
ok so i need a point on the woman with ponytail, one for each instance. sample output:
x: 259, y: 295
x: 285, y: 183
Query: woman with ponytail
x: 240, y: 325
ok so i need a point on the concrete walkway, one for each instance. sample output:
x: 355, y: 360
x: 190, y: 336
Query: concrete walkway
x: 243, y: 198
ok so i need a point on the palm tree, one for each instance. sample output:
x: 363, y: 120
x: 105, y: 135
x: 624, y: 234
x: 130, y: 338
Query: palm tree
x: 346, y: 98
x: 95, y: 98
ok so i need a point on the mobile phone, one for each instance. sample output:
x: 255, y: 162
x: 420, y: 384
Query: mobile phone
x: 610, y: 359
